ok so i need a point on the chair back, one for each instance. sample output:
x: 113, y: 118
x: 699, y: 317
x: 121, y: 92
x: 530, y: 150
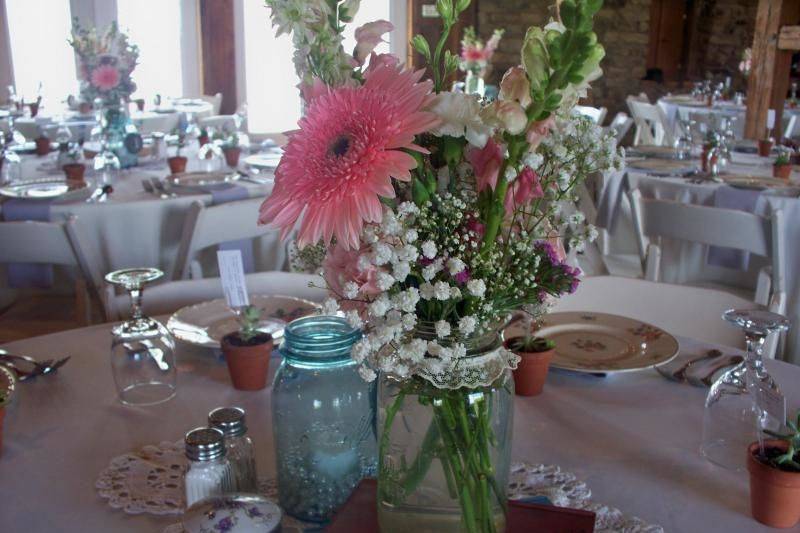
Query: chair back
x: 218, y: 122
x: 215, y: 100
x: 650, y: 123
x: 596, y: 114
x: 712, y: 226
x: 207, y: 226
x: 620, y: 125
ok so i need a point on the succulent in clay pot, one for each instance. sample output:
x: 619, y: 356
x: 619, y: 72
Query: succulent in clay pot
x: 247, y: 352
x: 782, y: 167
x: 177, y: 163
x: 535, y: 356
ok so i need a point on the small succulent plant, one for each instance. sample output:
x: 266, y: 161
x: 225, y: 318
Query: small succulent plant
x: 782, y: 159
x: 249, y: 319
x: 791, y: 459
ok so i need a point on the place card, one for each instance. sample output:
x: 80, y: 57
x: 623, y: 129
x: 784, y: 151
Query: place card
x: 772, y: 402
x: 231, y: 272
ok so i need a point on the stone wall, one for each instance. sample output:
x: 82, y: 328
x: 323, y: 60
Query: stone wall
x: 721, y: 29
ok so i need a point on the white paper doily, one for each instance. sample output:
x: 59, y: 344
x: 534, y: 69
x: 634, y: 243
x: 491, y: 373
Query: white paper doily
x: 151, y: 481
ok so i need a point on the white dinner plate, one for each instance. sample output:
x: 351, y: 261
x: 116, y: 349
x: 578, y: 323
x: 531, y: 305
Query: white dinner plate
x: 263, y: 161
x: 755, y: 183
x: 44, y: 189
x: 666, y: 167
x: 599, y: 342
x: 202, y: 179
x: 205, y: 324
x: 659, y: 152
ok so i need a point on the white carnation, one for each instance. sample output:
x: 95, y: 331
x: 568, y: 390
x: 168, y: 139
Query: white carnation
x: 426, y: 291
x: 466, y: 324
x: 455, y: 293
x: 429, y: 249
x: 455, y: 265
x: 476, y: 287
x: 441, y: 290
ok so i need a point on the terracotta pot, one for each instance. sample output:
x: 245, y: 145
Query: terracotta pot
x: 42, y: 146
x: 782, y: 171
x: 531, y: 372
x: 232, y: 156
x: 248, y: 365
x: 2, y: 417
x: 140, y: 104
x: 34, y: 109
x: 74, y: 172
x: 84, y: 108
x: 765, y: 147
x: 203, y: 139
x: 177, y: 164
x: 774, y: 494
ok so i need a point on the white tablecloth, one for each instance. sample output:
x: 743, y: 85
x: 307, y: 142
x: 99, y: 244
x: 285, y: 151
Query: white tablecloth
x: 135, y: 228
x: 683, y: 262
x: 632, y: 437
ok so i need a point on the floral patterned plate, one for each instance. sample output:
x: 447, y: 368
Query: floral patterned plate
x: 205, y: 324
x: 599, y: 342
x: 234, y: 513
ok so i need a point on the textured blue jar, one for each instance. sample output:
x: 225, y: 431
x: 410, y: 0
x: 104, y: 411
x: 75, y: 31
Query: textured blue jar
x: 323, y: 417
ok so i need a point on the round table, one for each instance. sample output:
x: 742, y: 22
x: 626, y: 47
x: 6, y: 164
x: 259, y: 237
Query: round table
x: 632, y: 437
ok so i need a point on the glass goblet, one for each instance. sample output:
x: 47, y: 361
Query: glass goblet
x: 142, y: 350
x: 733, y: 418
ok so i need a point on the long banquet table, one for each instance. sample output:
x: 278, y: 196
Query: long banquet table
x: 632, y: 437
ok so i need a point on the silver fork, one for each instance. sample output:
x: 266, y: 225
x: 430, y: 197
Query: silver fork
x: 161, y: 188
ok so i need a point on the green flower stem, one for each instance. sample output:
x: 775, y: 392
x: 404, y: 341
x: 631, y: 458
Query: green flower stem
x: 391, y: 412
x: 422, y: 462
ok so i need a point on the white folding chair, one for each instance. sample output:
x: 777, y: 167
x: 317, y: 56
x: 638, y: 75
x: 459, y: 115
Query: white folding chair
x: 791, y: 123
x: 620, y: 125
x: 651, y: 124
x: 208, y: 226
x: 168, y: 297
x: 597, y: 114
x: 215, y: 100
x: 687, y: 311
x: 218, y: 122
x: 713, y: 226
x: 52, y: 243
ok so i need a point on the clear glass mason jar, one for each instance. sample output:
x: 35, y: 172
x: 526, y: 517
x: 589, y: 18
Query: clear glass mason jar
x: 323, y: 417
x: 444, y: 456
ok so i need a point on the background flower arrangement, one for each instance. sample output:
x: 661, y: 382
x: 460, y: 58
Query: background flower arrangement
x: 106, y: 62
x: 476, y: 56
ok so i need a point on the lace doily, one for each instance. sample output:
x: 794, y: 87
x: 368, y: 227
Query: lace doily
x: 476, y: 371
x: 151, y: 481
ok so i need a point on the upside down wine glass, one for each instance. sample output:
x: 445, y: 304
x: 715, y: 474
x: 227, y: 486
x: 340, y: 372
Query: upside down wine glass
x: 142, y: 350
x: 734, y: 412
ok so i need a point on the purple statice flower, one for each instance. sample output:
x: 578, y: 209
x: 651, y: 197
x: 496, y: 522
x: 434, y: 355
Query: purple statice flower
x: 424, y: 261
x: 462, y: 277
x: 226, y: 524
x: 549, y: 251
x: 253, y: 512
x: 572, y: 275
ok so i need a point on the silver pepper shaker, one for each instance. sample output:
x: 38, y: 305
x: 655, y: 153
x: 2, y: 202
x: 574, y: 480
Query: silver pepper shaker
x: 241, y: 453
x: 209, y: 472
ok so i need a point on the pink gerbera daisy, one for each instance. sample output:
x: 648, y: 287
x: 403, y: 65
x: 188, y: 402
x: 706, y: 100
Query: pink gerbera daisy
x: 105, y: 77
x: 340, y: 162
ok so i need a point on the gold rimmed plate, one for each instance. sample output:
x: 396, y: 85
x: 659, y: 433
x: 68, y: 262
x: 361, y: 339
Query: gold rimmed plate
x: 44, y: 189
x: 670, y: 167
x: 205, y: 324
x: 756, y: 183
x: 600, y: 342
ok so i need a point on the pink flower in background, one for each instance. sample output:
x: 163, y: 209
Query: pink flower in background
x: 473, y: 54
x: 382, y: 60
x: 522, y: 190
x: 341, y: 161
x: 486, y: 163
x: 341, y: 266
x: 539, y: 130
x: 368, y: 37
x: 105, y: 77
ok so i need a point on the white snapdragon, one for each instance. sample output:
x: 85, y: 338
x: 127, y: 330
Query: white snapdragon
x: 330, y: 307
x: 476, y: 287
x: 441, y: 291
x: 591, y: 233
x: 455, y: 265
x: 467, y: 324
x: 442, y: 329
x: 350, y: 290
x: 429, y: 249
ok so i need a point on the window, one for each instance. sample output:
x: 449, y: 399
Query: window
x: 42, y: 60
x: 270, y: 81
x: 155, y: 27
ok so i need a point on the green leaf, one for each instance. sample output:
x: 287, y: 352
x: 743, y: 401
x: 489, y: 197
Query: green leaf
x: 569, y: 12
x: 593, y: 6
x: 419, y: 192
x: 445, y: 9
x: 421, y: 45
x: 461, y: 5
x: 450, y: 62
x: 535, y: 58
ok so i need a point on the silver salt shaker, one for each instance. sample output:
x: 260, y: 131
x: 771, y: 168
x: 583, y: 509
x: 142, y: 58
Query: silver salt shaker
x: 209, y: 472
x: 241, y: 453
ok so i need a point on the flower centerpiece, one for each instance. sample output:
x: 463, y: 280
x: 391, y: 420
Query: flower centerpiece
x: 436, y: 217
x: 746, y: 63
x: 476, y: 58
x: 106, y: 61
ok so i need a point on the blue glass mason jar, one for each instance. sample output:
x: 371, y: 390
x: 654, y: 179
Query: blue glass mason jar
x: 323, y: 417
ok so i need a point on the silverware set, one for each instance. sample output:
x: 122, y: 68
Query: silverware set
x: 158, y: 187
x: 27, y: 368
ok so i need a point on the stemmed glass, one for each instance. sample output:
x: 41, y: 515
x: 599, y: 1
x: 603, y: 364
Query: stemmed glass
x: 734, y: 415
x: 10, y: 162
x: 142, y: 350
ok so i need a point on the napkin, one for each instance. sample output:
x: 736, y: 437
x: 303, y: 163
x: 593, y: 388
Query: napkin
x: 732, y: 198
x: 28, y: 275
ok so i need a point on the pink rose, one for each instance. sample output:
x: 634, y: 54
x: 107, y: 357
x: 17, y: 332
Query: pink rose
x: 486, y: 163
x: 525, y: 188
x: 507, y: 115
x: 368, y: 37
x: 516, y: 86
x: 539, y: 130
